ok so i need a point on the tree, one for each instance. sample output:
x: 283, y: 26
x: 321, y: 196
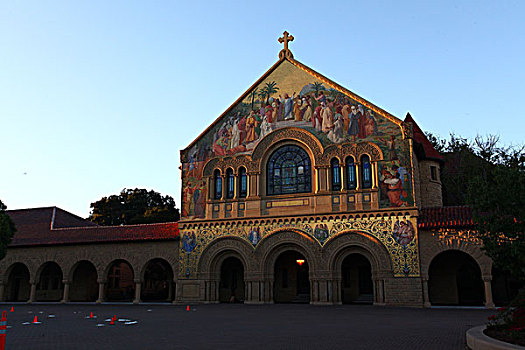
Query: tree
x: 270, y: 89
x: 252, y: 95
x: 490, y: 178
x: 7, y: 230
x: 317, y: 87
x: 131, y: 207
x: 497, y: 195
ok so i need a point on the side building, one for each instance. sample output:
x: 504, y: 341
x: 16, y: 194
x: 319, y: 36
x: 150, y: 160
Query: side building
x: 58, y: 256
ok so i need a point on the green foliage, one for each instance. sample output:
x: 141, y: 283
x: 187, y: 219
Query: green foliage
x: 509, y: 322
x: 131, y: 207
x: 497, y: 195
x: 7, y: 230
x: 491, y: 179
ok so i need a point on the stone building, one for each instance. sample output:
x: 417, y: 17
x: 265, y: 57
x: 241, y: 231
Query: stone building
x: 301, y: 191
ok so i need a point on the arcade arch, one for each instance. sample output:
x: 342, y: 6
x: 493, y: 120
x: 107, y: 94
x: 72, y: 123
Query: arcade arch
x: 83, y: 285
x: 455, y: 279
x: 157, y: 285
x: 50, y: 286
x: 120, y: 284
x: 18, y: 287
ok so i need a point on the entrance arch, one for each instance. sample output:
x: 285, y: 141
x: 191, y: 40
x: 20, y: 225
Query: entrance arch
x: 231, y: 285
x: 120, y: 285
x: 291, y: 278
x: 84, y: 286
x: 18, y: 287
x: 158, y: 281
x: 356, y: 277
x: 49, y: 286
x: 455, y: 279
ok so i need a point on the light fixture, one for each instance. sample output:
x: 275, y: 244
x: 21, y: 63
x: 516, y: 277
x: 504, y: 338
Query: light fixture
x: 300, y: 261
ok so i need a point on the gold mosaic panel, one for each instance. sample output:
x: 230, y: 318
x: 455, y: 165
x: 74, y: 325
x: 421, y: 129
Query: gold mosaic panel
x: 398, y: 235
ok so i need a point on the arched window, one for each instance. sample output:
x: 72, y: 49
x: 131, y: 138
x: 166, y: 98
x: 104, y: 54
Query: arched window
x: 336, y: 174
x: 366, y: 171
x: 243, y: 183
x: 230, y: 182
x: 289, y: 171
x: 351, y: 179
x: 217, y: 180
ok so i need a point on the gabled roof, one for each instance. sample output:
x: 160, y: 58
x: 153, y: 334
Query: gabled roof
x: 314, y: 74
x: 419, y: 136
x: 53, y: 226
x: 441, y: 217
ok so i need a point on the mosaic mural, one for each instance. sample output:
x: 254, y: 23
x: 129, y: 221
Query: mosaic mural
x: 399, y: 237
x: 287, y: 97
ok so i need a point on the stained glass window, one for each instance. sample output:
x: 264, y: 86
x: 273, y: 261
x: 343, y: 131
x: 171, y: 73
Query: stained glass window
x: 217, y: 179
x: 366, y: 171
x: 243, y: 183
x: 230, y: 190
x: 351, y: 180
x: 289, y: 171
x: 336, y: 174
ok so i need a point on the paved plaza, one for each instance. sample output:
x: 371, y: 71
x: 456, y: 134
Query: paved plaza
x: 236, y: 326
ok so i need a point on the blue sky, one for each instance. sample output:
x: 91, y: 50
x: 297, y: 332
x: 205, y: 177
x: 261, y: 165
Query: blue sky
x: 98, y: 96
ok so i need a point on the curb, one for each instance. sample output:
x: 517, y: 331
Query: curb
x: 477, y: 340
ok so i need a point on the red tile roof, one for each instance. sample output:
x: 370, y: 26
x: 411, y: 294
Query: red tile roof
x: 459, y: 216
x: 420, y: 137
x: 52, y: 225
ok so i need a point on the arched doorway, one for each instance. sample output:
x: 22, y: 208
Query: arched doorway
x: 84, y: 286
x: 231, y: 286
x: 291, y: 278
x: 158, y: 281
x: 356, y: 286
x: 120, y: 285
x: 18, y: 287
x: 50, y: 286
x: 504, y: 287
x: 455, y: 279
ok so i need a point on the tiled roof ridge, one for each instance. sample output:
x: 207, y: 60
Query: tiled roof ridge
x: 449, y: 216
x: 112, y: 226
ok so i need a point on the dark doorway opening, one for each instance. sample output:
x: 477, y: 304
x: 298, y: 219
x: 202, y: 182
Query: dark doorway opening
x: 231, y: 286
x: 357, y: 286
x: 84, y: 286
x: 291, y: 278
x: 158, y: 282
x: 18, y: 287
x: 455, y: 279
x: 120, y: 285
x: 50, y: 286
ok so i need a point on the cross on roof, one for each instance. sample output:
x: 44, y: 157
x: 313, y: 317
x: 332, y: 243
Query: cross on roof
x: 285, y: 39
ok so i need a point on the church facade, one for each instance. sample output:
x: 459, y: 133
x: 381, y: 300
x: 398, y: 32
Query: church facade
x: 300, y: 192
x: 303, y: 191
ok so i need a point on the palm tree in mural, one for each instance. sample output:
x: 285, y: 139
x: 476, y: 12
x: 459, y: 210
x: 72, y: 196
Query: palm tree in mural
x: 252, y: 95
x: 262, y: 95
x: 317, y: 87
x: 271, y: 88
x: 338, y: 96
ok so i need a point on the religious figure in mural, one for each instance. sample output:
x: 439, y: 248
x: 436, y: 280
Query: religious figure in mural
x: 254, y: 236
x: 403, y: 232
x: 321, y: 232
x: 328, y: 114
x: 189, y: 242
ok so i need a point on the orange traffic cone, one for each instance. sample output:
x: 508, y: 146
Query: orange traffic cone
x: 113, y: 320
x: 35, y: 320
x: 188, y: 308
x: 91, y: 316
x: 12, y: 309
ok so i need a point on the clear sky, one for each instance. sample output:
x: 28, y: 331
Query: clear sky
x: 97, y: 96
